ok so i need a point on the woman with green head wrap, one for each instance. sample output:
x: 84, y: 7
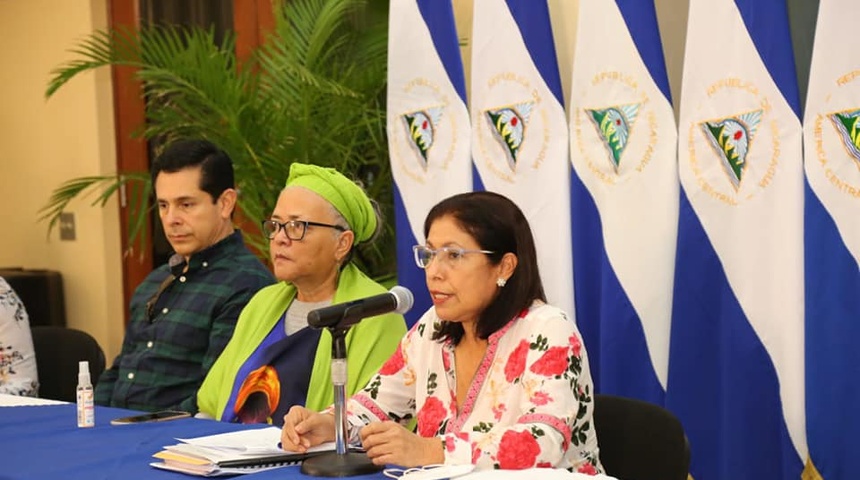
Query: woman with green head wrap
x: 274, y: 360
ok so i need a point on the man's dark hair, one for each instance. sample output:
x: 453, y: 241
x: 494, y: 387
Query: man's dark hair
x: 497, y: 224
x: 216, y: 168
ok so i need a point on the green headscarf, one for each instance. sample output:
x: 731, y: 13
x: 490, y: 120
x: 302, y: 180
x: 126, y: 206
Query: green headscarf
x: 347, y: 197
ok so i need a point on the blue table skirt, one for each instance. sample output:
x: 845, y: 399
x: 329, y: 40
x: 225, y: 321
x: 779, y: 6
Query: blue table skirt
x: 44, y: 442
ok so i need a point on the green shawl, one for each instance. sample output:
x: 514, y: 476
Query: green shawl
x: 368, y: 344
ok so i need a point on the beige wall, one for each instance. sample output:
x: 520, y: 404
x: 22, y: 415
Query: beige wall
x: 44, y: 142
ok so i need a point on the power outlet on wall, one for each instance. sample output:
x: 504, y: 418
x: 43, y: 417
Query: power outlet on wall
x: 67, y: 226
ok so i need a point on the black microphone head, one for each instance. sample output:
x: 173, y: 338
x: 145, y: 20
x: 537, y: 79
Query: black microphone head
x: 342, y: 315
x: 404, y: 298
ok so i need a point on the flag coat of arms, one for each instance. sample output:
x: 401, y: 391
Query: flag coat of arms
x: 519, y: 130
x: 428, y: 126
x: 831, y: 133
x: 624, y: 196
x: 737, y: 348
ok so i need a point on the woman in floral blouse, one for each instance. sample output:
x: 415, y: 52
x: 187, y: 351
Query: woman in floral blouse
x: 18, y: 374
x: 493, y: 375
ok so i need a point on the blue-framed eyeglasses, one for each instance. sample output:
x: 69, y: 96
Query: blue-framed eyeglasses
x: 450, y: 256
x: 295, y: 229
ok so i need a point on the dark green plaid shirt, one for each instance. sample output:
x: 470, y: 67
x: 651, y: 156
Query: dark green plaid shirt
x: 165, y: 356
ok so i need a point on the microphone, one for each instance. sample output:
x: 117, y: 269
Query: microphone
x: 338, y: 318
x: 398, y: 299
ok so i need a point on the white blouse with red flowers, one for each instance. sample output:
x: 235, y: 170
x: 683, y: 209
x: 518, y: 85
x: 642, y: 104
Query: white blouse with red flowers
x: 530, y: 403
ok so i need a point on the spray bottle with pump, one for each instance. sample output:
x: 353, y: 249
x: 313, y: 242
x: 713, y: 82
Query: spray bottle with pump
x: 86, y: 410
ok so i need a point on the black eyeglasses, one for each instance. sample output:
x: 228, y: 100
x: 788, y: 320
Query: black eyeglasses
x: 294, y: 229
x: 176, y: 262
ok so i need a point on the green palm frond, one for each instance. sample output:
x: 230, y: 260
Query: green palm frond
x: 105, y: 186
x: 314, y: 92
x: 100, y: 49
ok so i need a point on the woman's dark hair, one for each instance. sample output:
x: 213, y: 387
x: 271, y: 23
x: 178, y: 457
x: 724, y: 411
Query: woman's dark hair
x: 216, y: 168
x: 497, y: 224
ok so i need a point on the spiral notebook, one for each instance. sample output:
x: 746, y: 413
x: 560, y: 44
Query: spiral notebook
x: 244, y: 451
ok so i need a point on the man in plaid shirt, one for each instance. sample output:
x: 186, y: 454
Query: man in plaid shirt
x: 183, y: 313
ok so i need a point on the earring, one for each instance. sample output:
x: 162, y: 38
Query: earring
x: 501, y: 282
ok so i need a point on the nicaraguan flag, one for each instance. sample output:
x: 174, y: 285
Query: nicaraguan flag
x: 519, y: 130
x: 624, y: 196
x: 832, y: 236
x: 428, y: 126
x: 736, y: 357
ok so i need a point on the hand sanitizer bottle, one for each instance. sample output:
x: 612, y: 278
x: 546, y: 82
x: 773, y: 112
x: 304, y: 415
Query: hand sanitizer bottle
x: 86, y: 410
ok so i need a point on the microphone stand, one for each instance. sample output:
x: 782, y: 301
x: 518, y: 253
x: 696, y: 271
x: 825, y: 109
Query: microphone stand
x: 341, y: 462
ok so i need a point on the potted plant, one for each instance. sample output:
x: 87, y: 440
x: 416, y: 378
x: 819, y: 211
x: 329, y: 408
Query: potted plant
x: 312, y: 93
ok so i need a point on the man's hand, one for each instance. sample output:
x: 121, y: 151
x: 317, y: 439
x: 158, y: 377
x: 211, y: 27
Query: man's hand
x: 390, y: 443
x: 305, y: 428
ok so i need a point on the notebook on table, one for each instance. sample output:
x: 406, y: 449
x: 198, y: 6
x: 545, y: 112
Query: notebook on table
x: 244, y: 451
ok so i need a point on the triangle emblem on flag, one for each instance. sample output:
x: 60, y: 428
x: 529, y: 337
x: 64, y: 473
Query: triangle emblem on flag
x: 509, y: 126
x: 421, y: 125
x: 613, y: 125
x: 731, y: 138
x: 847, y: 124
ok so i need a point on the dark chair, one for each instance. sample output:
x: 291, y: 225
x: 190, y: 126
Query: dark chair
x: 41, y: 292
x: 58, y: 351
x: 640, y: 440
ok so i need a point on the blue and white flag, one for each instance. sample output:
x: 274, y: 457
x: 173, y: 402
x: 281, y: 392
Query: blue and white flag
x: 831, y: 134
x: 428, y: 126
x: 737, y: 348
x: 519, y: 129
x: 624, y: 192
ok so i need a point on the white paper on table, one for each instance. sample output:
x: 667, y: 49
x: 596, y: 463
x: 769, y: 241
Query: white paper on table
x: 252, y: 442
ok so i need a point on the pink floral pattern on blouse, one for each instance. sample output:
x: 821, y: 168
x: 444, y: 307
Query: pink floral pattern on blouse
x: 529, y: 405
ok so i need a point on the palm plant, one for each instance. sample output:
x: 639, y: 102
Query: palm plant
x: 312, y: 93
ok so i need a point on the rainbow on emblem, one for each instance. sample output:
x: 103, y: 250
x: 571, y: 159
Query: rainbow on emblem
x: 421, y: 125
x: 613, y: 125
x: 847, y: 124
x: 731, y: 138
x: 509, y: 125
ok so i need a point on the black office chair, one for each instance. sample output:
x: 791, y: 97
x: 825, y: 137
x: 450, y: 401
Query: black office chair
x: 58, y: 351
x: 640, y: 440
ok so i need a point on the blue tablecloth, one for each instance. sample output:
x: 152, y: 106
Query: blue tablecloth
x: 44, y: 442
